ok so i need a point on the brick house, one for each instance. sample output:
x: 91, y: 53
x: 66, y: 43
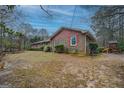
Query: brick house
x: 72, y: 39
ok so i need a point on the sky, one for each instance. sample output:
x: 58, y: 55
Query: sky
x: 61, y: 16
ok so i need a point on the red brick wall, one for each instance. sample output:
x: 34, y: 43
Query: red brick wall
x: 64, y: 38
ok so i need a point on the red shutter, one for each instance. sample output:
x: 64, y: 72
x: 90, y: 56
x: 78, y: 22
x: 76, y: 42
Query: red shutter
x: 68, y: 39
x: 77, y: 39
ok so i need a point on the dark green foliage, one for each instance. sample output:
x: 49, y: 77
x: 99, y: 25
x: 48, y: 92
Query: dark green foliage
x: 93, y: 48
x: 39, y: 35
x: 42, y: 48
x: 59, y: 48
x: 35, y: 39
x: 100, y: 49
x: 121, y: 46
x: 35, y: 49
x: 47, y: 49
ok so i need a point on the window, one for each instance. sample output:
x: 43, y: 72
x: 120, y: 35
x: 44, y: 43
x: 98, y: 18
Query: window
x: 73, y: 40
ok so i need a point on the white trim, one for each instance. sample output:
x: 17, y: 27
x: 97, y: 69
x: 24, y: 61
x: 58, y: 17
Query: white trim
x: 71, y: 40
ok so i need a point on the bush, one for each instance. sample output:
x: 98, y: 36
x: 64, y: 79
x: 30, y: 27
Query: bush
x: 93, y: 48
x: 34, y: 49
x: 42, y: 48
x: 121, y: 46
x: 59, y: 48
x: 47, y: 49
x: 100, y: 49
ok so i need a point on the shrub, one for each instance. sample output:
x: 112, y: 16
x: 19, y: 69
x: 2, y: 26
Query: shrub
x: 34, y: 49
x: 121, y: 46
x: 93, y: 48
x: 47, y: 49
x: 42, y: 48
x: 59, y: 48
x: 100, y: 49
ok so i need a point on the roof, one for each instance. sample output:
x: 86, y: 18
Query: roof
x: 74, y: 29
x: 43, y: 41
x: 66, y: 28
x: 113, y: 41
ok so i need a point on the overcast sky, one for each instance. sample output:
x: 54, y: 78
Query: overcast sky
x: 61, y: 16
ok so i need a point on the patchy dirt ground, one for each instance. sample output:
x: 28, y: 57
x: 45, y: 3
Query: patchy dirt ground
x: 40, y: 69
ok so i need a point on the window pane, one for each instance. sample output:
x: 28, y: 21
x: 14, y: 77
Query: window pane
x: 73, y: 40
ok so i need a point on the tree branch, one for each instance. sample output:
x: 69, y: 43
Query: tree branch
x: 45, y: 11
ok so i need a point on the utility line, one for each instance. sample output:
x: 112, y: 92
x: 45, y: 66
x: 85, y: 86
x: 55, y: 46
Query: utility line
x: 45, y: 10
x: 73, y: 16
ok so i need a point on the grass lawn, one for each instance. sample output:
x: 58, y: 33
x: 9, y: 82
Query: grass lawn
x: 44, y: 69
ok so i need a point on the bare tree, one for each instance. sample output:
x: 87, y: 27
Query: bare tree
x: 108, y: 24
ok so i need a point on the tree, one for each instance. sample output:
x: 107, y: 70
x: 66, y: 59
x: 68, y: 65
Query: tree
x: 5, y: 13
x: 8, y: 16
x: 19, y: 40
x: 45, y: 11
x: 108, y: 23
x: 28, y: 32
x: 43, y: 34
x: 35, y: 39
x: 39, y: 35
